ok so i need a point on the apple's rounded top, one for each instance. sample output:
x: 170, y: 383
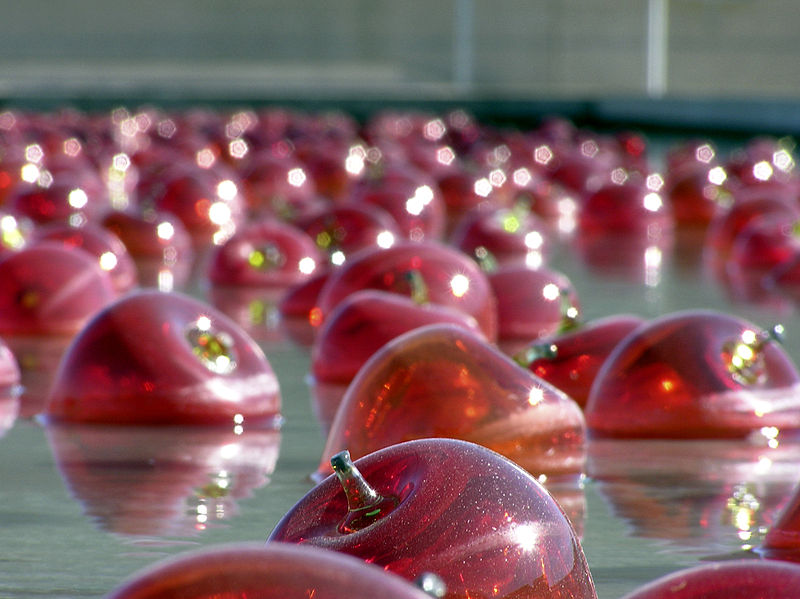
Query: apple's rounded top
x: 695, y: 374
x: 442, y: 380
x: 450, y: 277
x: 271, y: 571
x: 736, y: 579
x: 451, y: 507
x: 156, y: 357
x: 50, y: 289
x: 783, y: 537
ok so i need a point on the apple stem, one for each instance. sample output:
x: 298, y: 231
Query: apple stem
x: 359, y: 492
x: 485, y: 259
x: 538, y: 351
x: 419, y: 290
x: 570, y: 315
x: 364, y: 504
x: 431, y: 584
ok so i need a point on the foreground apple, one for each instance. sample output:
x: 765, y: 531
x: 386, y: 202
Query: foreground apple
x: 457, y: 509
x: 274, y: 571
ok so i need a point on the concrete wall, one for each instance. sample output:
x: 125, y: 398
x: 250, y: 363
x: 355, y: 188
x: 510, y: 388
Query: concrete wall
x: 512, y: 48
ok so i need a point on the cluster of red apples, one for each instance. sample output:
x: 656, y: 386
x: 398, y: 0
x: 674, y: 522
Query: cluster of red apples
x: 150, y: 253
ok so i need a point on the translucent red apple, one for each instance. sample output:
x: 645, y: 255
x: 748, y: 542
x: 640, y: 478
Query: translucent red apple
x: 207, y: 201
x: 271, y: 571
x: 532, y: 303
x: 165, y: 481
x: 570, y: 360
x: 410, y: 196
x: 735, y: 579
x: 50, y: 289
x: 448, y: 276
x: 340, y: 230
x: 164, y: 358
x: 159, y: 244
x: 275, y: 185
x: 365, y: 321
x: 441, y: 380
x: 626, y: 202
x: 267, y: 253
x: 695, y: 374
x: 109, y: 251
x: 476, y: 519
x: 510, y: 235
x: 694, y: 183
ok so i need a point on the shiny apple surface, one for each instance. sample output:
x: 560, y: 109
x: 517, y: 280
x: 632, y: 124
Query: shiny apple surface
x: 443, y: 381
x: 276, y: 571
x: 114, y: 370
x: 445, y: 495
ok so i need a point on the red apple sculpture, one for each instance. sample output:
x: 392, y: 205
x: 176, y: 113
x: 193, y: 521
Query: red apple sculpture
x: 341, y: 230
x: 532, y: 303
x: 509, y: 235
x: 570, y: 360
x: 109, y: 251
x: 274, y: 571
x: 364, y: 322
x: 448, y: 276
x: 50, y: 289
x: 695, y: 374
x: 476, y: 519
x: 166, y: 481
x: 266, y: 254
x: 442, y: 380
x: 736, y: 579
x: 159, y: 244
x: 164, y: 358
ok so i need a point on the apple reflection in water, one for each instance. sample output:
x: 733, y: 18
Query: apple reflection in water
x: 161, y: 481
x: 706, y: 497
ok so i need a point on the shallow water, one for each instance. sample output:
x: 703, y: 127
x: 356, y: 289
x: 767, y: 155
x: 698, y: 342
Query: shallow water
x: 74, y: 525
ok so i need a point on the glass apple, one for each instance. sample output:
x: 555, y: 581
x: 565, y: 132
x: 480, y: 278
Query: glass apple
x: 509, y: 235
x: 271, y: 571
x: 266, y: 254
x: 570, y: 360
x: 735, y: 579
x: 532, y: 303
x: 445, y: 381
x: 365, y: 321
x: 159, y: 244
x: 163, y: 358
x: 340, y: 230
x: 449, y: 277
x: 50, y: 289
x: 476, y: 519
x: 109, y: 251
x: 695, y: 374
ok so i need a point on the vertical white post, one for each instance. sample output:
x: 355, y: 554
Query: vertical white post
x: 657, y: 47
x: 463, y: 44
